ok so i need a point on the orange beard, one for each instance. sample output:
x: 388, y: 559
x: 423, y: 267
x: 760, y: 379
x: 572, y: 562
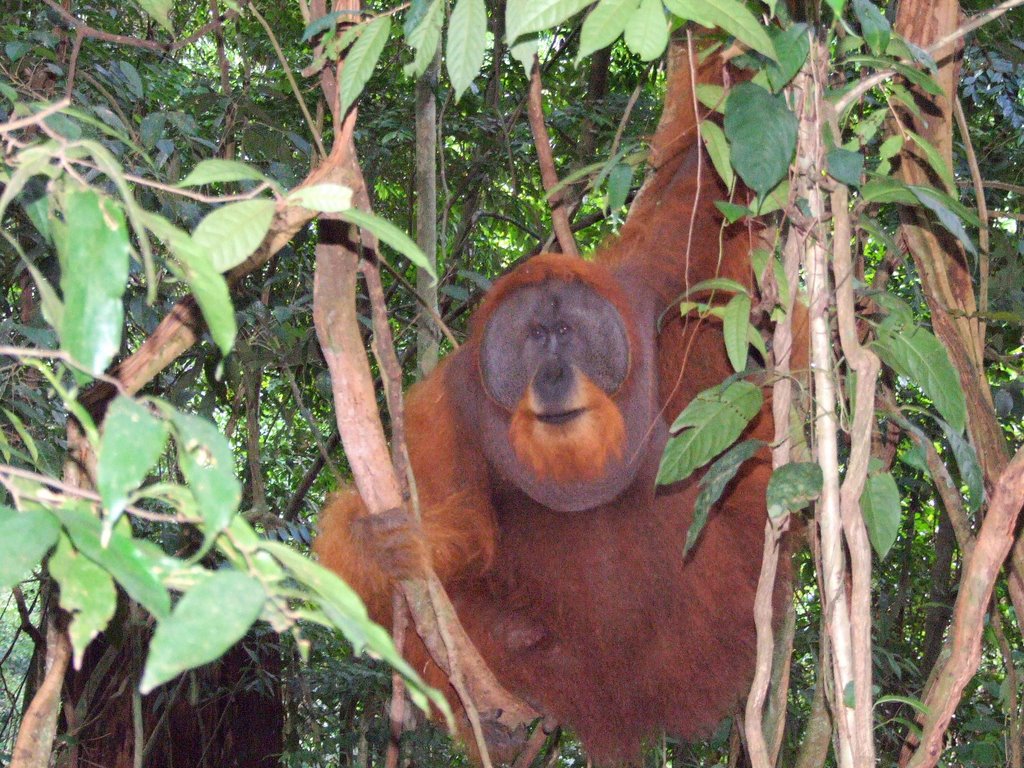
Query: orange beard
x: 576, y: 450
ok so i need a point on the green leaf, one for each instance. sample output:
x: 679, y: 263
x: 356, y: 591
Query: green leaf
x: 524, y: 51
x: 94, y: 268
x: 86, y: 592
x: 710, y: 424
x: 604, y: 24
x: 916, y: 355
x: 887, y: 190
x: 133, y: 441
x: 131, y: 76
x: 160, y: 10
x: 837, y: 7
x: 24, y: 538
x: 967, y: 464
x: 873, y: 25
x: 123, y: 557
x: 792, y: 46
x: 718, y: 476
x: 620, y: 181
x: 423, y: 35
x: 891, y: 147
x: 732, y: 212
x: 207, y: 462
x: 525, y: 16
x: 762, y: 133
x: 735, y: 322
x: 936, y: 161
x: 936, y: 202
x: 207, y: 284
x: 210, y: 618
x: 346, y: 611
x: 467, y: 39
x: 322, y: 24
x: 362, y: 58
x: 793, y: 486
x: 731, y: 17
x: 845, y: 166
x: 711, y: 96
x: 24, y: 434
x: 717, y: 284
x: 880, y: 506
x: 392, y: 235
x: 718, y: 150
x: 325, y: 198
x: 217, y: 171
x: 646, y: 32
x: 231, y: 233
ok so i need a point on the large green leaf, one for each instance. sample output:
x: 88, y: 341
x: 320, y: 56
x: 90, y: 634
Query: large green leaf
x: 362, y: 58
x: 728, y: 15
x: 343, y: 608
x: 392, y: 235
x: 94, y: 268
x: 207, y: 284
x: 710, y: 424
x: 218, y: 171
x: 919, y: 357
x: 646, y: 32
x: 207, y: 462
x: 136, y: 571
x: 718, y: 476
x: 86, y: 592
x: 133, y: 441
x: 326, y: 198
x: 228, y: 235
x: 762, y: 134
x: 466, y: 44
x: 525, y: 16
x: 873, y: 25
x: 718, y: 150
x: 603, y: 25
x: 735, y: 328
x: 423, y: 33
x: 880, y: 506
x: 793, y: 486
x: 792, y: 46
x: 24, y: 538
x: 209, y: 619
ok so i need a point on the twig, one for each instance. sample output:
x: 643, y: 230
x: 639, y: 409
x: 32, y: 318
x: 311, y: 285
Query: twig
x: 6, y: 471
x: 546, y: 160
x: 96, y: 34
x: 35, y: 118
x: 296, y: 91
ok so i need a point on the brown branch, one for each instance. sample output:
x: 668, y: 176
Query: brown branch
x: 26, y: 618
x: 362, y: 436
x: 85, y: 30
x: 546, y: 160
x: 38, y: 727
x: 992, y: 545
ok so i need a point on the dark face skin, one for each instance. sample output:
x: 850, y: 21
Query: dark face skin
x: 543, y: 337
x: 544, y: 349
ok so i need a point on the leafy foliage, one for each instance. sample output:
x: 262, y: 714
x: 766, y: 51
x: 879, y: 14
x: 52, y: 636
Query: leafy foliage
x: 104, y: 232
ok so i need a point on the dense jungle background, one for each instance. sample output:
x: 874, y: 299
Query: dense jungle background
x: 167, y: 419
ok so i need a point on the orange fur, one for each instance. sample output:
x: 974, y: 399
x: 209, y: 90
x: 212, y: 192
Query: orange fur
x: 563, y: 560
x: 579, y: 449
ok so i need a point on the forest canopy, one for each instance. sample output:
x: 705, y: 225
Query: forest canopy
x: 187, y: 374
